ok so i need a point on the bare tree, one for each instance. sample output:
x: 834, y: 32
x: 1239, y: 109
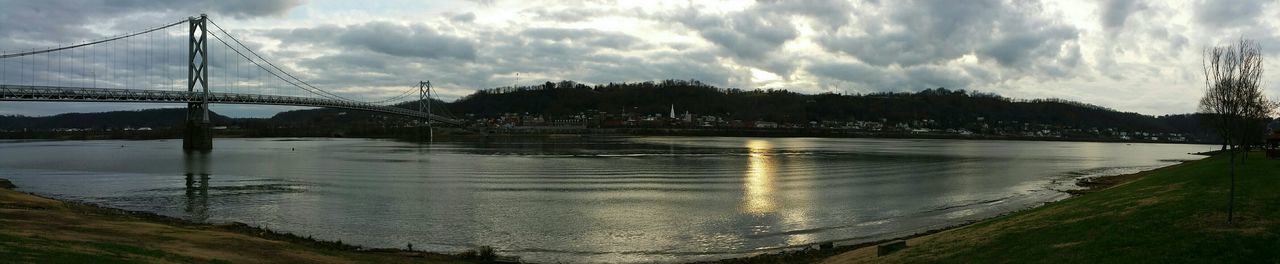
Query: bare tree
x: 1233, y: 102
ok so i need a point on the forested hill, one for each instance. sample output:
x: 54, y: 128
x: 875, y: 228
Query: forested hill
x: 154, y: 118
x: 951, y: 108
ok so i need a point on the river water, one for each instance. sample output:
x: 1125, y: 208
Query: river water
x: 641, y: 199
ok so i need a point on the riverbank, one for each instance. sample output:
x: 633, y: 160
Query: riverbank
x: 35, y: 229
x: 1171, y: 214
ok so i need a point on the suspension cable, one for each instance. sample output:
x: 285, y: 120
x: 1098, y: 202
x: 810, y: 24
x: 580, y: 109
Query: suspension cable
x: 237, y: 41
x: 397, y: 97
x: 299, y: 80
x: 215, y: 36
x: 90, y: 43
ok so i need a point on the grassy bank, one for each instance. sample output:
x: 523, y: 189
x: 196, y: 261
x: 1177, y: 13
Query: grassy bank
x: 39, y: 230
x: 1175, y: 214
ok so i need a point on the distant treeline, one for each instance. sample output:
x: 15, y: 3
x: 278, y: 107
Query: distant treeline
x: 948, y: 108
x: 167, y: 123
x: 150, y: 118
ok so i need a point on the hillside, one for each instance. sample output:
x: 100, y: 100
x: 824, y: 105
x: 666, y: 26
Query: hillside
x: 948, y: 108
x: 154, y: 118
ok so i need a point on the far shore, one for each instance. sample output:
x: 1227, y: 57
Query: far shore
x: 454, y: 134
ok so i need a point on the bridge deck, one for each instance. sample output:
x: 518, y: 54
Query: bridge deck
x: 81, y: 94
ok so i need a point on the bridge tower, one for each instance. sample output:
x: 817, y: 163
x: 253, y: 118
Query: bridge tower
x: 424, y: 105
x: 198, y: 132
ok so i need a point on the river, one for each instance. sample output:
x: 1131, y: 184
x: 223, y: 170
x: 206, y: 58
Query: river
x: 631, y: 199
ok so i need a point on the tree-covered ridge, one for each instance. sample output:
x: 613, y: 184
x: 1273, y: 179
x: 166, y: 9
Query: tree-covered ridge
x: 153, y: 118
x: 949, y: 108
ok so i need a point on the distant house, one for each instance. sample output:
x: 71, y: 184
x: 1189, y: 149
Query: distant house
x: 765, y: 124
x: 1273, y: 140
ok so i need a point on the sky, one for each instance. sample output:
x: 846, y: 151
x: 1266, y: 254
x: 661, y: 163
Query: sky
x: 1129, y: 55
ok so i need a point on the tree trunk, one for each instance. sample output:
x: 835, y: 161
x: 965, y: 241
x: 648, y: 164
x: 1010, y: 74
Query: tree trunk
x: 1231, y: 200
x: 1244, y: 145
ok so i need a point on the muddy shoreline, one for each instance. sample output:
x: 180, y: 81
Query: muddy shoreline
x: 19, y: 203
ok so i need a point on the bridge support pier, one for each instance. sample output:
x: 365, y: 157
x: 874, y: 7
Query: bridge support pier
x: 424, y: 103
x: 197, y: 132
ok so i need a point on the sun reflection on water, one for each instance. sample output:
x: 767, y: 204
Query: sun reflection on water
x: 758, y: 197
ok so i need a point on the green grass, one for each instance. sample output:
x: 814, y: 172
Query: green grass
x: 38, y: 249
x: 1175, y: 214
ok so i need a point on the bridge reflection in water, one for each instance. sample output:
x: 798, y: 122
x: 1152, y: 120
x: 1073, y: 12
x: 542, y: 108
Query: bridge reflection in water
x: 196, y: 164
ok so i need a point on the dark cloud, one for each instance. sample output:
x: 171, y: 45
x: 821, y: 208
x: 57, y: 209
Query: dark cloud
x: 1229, y: 13
x: 563, y: 15
x: 591, y: 38
x: 874, y: 78
x: 483, y: 2
x: 762, y: 28
x: 1021, y: 48
x: 1116, y: 12
x: 750, y: 34
x: 755, y: 36
x: 353, y: 67
x: 46, y: 21
x: 828, y: 14
x: 413, y: 40
x: 244, y: 8
x: 927, y: 32
x: 909, y: 33
x: 554, y: 54
x: 319, y: 34
x: 463, y: 18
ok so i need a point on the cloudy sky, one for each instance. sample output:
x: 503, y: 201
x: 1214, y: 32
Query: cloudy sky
x: 1130, y: 55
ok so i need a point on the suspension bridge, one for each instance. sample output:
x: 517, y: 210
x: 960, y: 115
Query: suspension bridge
x: 146, y: 67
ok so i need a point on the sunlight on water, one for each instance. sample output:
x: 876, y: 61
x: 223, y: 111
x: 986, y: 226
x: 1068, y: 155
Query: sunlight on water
x: 758, y: 199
